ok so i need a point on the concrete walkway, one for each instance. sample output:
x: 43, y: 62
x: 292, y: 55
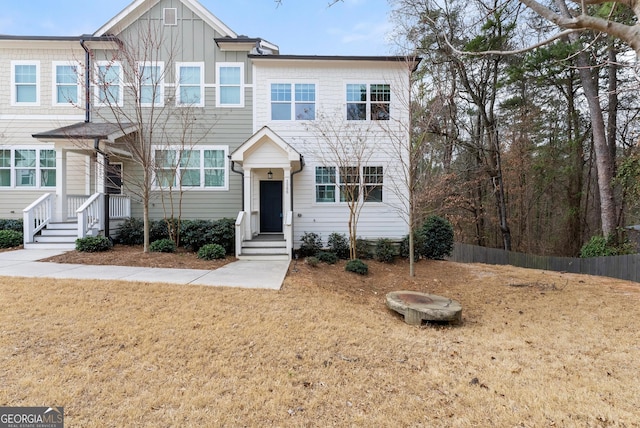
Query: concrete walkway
x: 242, y: 273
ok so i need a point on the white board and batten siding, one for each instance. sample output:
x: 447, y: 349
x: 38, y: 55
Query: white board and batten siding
x: 387, y: 219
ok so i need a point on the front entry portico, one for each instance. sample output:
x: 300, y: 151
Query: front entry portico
x: 268, y: 164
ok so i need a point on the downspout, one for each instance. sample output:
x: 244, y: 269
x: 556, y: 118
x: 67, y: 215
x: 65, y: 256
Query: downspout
x: 294, y: 173
x: 107, y: 218
x: 87, y: 83
x: 233, y: 169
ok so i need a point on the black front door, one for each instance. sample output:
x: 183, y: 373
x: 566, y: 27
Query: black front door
x: 271, y: 206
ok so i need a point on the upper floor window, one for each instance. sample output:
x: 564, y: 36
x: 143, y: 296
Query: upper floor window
x: 151, y: 77
x: 297, y: 101
x: 190, y: 91
x: 108, y: 89
x: 66, y: 89
x: 230, y: 85
x: 25, y: 77
x: 349, y: 183
x: 27, y: 168
x: 368, y: 101
x: 199, y: 167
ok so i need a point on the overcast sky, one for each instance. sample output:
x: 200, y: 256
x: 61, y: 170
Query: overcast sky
x: 352, y: 27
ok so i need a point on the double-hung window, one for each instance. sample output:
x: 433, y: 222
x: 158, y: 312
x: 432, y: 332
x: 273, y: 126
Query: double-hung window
x: 325, y: 184
x: 195, y: 168
x: 151, y: 78
x: 66, y: 89
x: 190, y: 90
x: 25, y: 88
x: 27, y: 168
x: 230, y: 84
x: 108, y: 89
x: 368, y: 101
x: 348, y: 184
x: 296, y: 101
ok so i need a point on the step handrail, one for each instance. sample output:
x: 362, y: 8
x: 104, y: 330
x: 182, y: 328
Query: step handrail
x: 90, y: 214
x: 36, y: 216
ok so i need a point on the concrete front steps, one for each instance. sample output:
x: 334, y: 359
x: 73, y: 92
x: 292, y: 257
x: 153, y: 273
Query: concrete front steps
x: 55, y: 236
x: 265, y: 247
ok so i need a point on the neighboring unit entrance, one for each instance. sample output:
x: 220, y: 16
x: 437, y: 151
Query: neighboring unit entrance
x: 271, y: 206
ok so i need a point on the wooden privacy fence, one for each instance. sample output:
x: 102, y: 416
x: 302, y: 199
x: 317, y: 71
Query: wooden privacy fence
x: 623, y: 267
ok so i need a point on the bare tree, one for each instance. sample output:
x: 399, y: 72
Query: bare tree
x: 346, y: 150
x: 130, y: 91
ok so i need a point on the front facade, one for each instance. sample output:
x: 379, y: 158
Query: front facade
x: 229, y: 128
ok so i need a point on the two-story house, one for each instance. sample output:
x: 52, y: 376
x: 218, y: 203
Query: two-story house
x: 166, y: 107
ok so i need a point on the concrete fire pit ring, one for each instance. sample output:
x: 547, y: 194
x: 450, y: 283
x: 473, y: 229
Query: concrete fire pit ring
x: 417, y: 307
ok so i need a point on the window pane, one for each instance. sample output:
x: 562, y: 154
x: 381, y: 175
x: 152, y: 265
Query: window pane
x: 325, y: 174
x: 25, y: 158
x: 357, y: 92
x: 25, y: 74
x: 48, y: 178
x: 281, y: 111
x: 26, y: 93
x: 165, y: 158
x: 25, y: 177
x: 191, y: 177
x: 5, y: 177
x: 66, y: 74
x: 305, y: 111
x: 305, y: 92
x: 67, y: 94
x: 190, y: 95
x: 230, y: 75
x: 166, y: 178
x: 5, y: 158
x: 230, y: 95
x: 379, y: 111
x: 325, y: 193
x: 214, y: 158
x: 381, y: 93
x: 190, y: 158
x: 48, y: 158
x: 280, y: 92
x: 189, y: 75
x: 356, y: 111
x: 214, y: 177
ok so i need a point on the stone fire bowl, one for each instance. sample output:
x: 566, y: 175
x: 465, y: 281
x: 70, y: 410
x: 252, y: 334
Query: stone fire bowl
x: 417, y: 307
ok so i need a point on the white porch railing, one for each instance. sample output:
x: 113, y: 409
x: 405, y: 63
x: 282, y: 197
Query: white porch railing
x: 119, y: 207
x: 73, y: 203
x: 37, y: 215
x: 288, y: 232
x: 91, y: 215
x: 240, y: 228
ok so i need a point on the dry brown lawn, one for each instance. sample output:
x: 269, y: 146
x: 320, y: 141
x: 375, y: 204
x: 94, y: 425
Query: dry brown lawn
x: 535, y: 349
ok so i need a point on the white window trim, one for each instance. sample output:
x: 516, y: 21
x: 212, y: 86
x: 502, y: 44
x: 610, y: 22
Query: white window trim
x: 368, y: 102
x: 202, y: 187
x: 12, y: 168
x: 218, y: 85
x: 293, y: 84
x: 337, y: 184
x: 160, y: 83
x: 96, y: 86
x: 14, y: 101
x: 202, y: 83
x: 54, y: 84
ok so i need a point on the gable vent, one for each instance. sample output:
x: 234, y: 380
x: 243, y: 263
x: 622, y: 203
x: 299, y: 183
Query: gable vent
x: 170, y: 16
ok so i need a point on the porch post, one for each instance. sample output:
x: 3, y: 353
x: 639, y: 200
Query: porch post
x: 287, y: 190
x: 100, y: 173
x: 61, y: 209
x: 248, y: 191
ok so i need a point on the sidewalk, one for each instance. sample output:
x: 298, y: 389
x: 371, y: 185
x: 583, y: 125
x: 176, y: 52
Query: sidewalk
x: 242, y: 273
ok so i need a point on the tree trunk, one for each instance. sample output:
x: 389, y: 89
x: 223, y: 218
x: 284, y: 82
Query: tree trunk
x: 604, y: 163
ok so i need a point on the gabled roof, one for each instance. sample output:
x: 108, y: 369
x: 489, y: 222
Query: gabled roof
x: 139, y: 7
x: 263, y: 135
